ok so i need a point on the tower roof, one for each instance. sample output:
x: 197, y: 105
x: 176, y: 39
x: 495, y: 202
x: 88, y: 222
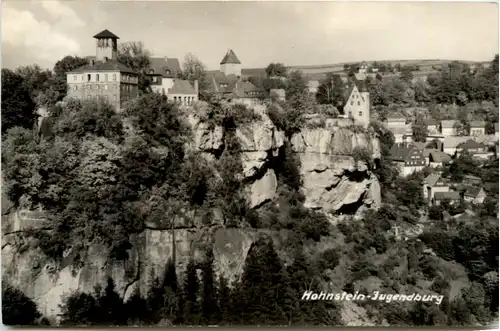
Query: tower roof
x: 106, y: 34
x: 230, y: 57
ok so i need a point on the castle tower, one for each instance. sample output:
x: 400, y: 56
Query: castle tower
x: 230, y: 65
x: 106, y: 46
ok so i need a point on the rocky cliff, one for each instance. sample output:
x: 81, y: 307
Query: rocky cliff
x: 332, y: 181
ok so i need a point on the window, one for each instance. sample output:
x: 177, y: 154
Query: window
x: 106, y: 77
x: 89, y: 77
x: 106, y: 87
x: 352, y: 103
x: 74, y: 77
x: 359, y: 103
x: 115, y: 98
x: 360, y: 113
x: 97, y: 77
x: 96, y: 86
x: 114, y: 77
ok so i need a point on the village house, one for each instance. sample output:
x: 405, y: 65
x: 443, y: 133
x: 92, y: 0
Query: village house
x: 450, y: 144
x: 452, y: 197
x: 397, y: 125
x: 432, y: 184
x: 477, y: 128
x: 448, y: 128
x: 104, y: 77
x: 357, y: 105
x: 432, y: 125
x: 438, y: 159
x: 313, y: 86
x: 278, y: 94
x: 474, y: 148
x: 408, y: 158
x: 475, y: 194
x: 227, y: 83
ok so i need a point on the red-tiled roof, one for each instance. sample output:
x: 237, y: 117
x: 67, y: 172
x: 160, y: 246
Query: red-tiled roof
x: 166, y: 67
x: 439, y: 157
x: 448, y: 123
x: 182, y: 87
x: 247, y: 90
x: 432, y: 179
x: 473, y: 191
x: 109, y: 65
x: 471, y: 144
x: 230, y: 57
x: 477, y: 124
x: 106, y: 34
x: 452, y: 195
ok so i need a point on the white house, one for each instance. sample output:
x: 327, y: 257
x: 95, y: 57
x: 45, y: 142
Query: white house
x: 357, y: 106
x: 477, y: 128
x: 433, y: 184
x: 448, y: 128
x: 475, y: 194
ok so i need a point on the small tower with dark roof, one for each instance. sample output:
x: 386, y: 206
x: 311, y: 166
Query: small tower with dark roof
x: 230, y: 65
x: 107, y: 46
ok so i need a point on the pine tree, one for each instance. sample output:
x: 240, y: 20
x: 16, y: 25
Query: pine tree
x: 209, y: 306
x: 191, y: 287
x: 224, y: 301
x: 261, y: 281
x: 111, y: 306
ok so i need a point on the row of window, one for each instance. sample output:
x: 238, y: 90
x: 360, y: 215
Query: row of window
x: 104, y: 77
x: 104, y: 97
x: 352, y: 103
x: 184, y: 100
x: 359, y: 114
x: 106, y: 87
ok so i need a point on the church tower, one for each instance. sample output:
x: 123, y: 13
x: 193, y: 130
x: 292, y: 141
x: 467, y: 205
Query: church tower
x: 230, y: 65
x: 107, y: 46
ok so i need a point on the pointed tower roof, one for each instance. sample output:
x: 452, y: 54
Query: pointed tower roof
x: 230, y: 57
x: 106, y: 34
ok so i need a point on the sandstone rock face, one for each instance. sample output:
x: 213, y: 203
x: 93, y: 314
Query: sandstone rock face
x: 263, y: 189
x: 331, y: 176
x: 48, y: 283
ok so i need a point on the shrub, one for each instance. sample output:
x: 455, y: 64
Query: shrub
x: 17, y: 308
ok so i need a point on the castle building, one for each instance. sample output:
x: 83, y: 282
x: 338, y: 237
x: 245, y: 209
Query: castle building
x: 357, y: 106
x: 104, y: 77
x: 164, y: 73
x: 227, y: 83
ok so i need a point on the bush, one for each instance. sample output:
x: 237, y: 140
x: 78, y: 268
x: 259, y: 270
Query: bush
x: 17, y: 308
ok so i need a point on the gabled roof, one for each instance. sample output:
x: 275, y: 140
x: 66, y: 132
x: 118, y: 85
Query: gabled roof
x: 473, y: 191
x: 453, y: 142
x: 400, y: 130
x: 439, y: 157
x: 431, y: 121
x: 160, y: 65
x: 396, y: 118
x: 432, y: 179
x: 477, y: 124
x: 230, y: 57
x: 106, y: 34
x: 246, y: 90
x: 419, y: 145
x: 452, y: 195
x: 110, y: 65
x: 182, y: 87
x: 400, y: 152
x: 471, y: 144
x: 448, y: 123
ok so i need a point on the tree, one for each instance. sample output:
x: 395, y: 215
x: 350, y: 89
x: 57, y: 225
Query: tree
x: 17, y: 308
x: 191, y: 286
x: 407, y: 74
x: 193, y: 69
x: 260, y: 284
x: 18, y: 108
x: 297, y: 94
x: 419, y: 129
x: 209, y: 303
x: 134, y: 55
x: 79, y: 309
x: 331, y: 91
x: 276, y: 70
x: 66, y: 64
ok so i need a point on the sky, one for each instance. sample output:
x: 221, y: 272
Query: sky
x: 293, y: 33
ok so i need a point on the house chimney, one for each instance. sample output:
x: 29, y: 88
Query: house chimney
x: 196, y: 86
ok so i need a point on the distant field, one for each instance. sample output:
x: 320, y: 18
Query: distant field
x: 318, y: 72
